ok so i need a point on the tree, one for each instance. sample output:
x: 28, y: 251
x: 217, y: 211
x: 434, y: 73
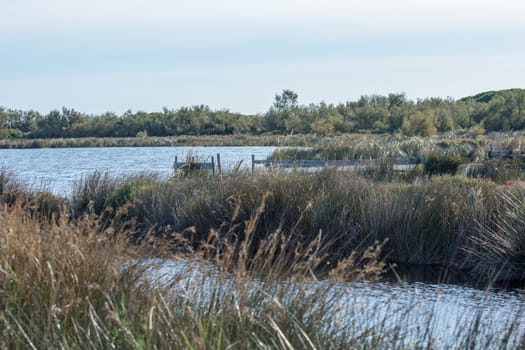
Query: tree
x: 396, y: 99
x: 287, y: 100
x: 283, y: 116
x: 443, y: 120
x: 420, y: 124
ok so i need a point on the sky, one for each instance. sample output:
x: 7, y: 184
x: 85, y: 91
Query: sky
x: 116, y: 55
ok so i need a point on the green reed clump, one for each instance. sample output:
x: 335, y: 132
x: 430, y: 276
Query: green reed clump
x: 498, y: 246
x: 443, y: 164
x: 40, y: 204
x: 100, y: 192
x: 9, y: 186
x: 430, y: 221
x: 91, y: 193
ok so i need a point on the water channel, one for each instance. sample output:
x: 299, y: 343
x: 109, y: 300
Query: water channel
x: 439, y: 314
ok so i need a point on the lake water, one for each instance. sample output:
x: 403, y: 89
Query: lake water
x: 420, y: 312
x: 56, y: 169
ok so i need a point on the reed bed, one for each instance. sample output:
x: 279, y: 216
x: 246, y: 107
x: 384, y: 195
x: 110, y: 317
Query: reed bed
x: 77, y: 283
x: 440, y: 220
x: 443, y: 154
x: 74, y: 279
x: 391, y: 146
x: 344, y: 146
x: 168, y: 141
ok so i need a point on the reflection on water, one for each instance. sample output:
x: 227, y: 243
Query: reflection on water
x: 417, y: 311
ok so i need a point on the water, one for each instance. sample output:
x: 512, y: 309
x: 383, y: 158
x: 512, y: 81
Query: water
x: 420, y: 313
x: 56, y: 169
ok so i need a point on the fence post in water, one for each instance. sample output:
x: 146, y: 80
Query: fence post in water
x: 253, y: 163
x: 175, y: 164
x: 213, y: 165
x: 219, y: 163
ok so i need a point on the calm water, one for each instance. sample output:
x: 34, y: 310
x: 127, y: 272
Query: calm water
x: 56, y: 169
x: 419, y: 311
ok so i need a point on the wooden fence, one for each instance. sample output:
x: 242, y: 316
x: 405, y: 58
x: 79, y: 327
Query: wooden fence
x: 311, y: 163
x: 401, y: 163
x: 504, y: 153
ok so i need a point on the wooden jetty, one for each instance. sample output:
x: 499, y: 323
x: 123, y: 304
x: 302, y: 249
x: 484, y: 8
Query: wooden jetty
x: 192, y: 164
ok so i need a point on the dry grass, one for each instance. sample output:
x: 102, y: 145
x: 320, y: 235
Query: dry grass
x: 53, y: 273
x: 76, y: 283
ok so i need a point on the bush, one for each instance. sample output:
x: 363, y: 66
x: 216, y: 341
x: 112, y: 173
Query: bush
x: 443, y: 164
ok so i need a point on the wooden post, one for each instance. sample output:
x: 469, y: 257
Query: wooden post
x: 213, y: 165
x: 253, y: 163
x: 219, y: 169
x: 175, y: 164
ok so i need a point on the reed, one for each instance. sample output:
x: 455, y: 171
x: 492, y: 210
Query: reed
x: 168, y: 141
x: 430, y: 221
x: 93, y: 292
x: 76, y: 282
x: 390, y: 146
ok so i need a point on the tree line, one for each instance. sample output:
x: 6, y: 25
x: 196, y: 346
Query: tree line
x: 491, y: 111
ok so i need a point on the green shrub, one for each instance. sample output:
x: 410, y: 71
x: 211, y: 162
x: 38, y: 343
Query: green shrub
x: 442, y: 164
x: 127, y: 190
x: 90, y: 194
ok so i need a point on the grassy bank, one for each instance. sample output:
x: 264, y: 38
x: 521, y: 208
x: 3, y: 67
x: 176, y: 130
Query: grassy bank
x: 469, y: 147
x: 169, y: 141
x: 445, y: 154
x: 75, y: 281
x: 342, y: 146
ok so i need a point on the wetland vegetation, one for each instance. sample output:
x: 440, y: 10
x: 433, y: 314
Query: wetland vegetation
x: 74, y: 271
x: 495, y: 111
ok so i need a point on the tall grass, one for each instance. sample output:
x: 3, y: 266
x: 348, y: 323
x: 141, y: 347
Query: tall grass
x: 435, y: 220
x: 388, y: 146
x: 168, y: 141
x: 76, y: 282
x: 53, y: 275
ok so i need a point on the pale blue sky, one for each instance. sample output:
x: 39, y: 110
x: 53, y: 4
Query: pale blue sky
x: 114, y: 55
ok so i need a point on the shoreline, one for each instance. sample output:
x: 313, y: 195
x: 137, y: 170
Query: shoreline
x: 167, y: 141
